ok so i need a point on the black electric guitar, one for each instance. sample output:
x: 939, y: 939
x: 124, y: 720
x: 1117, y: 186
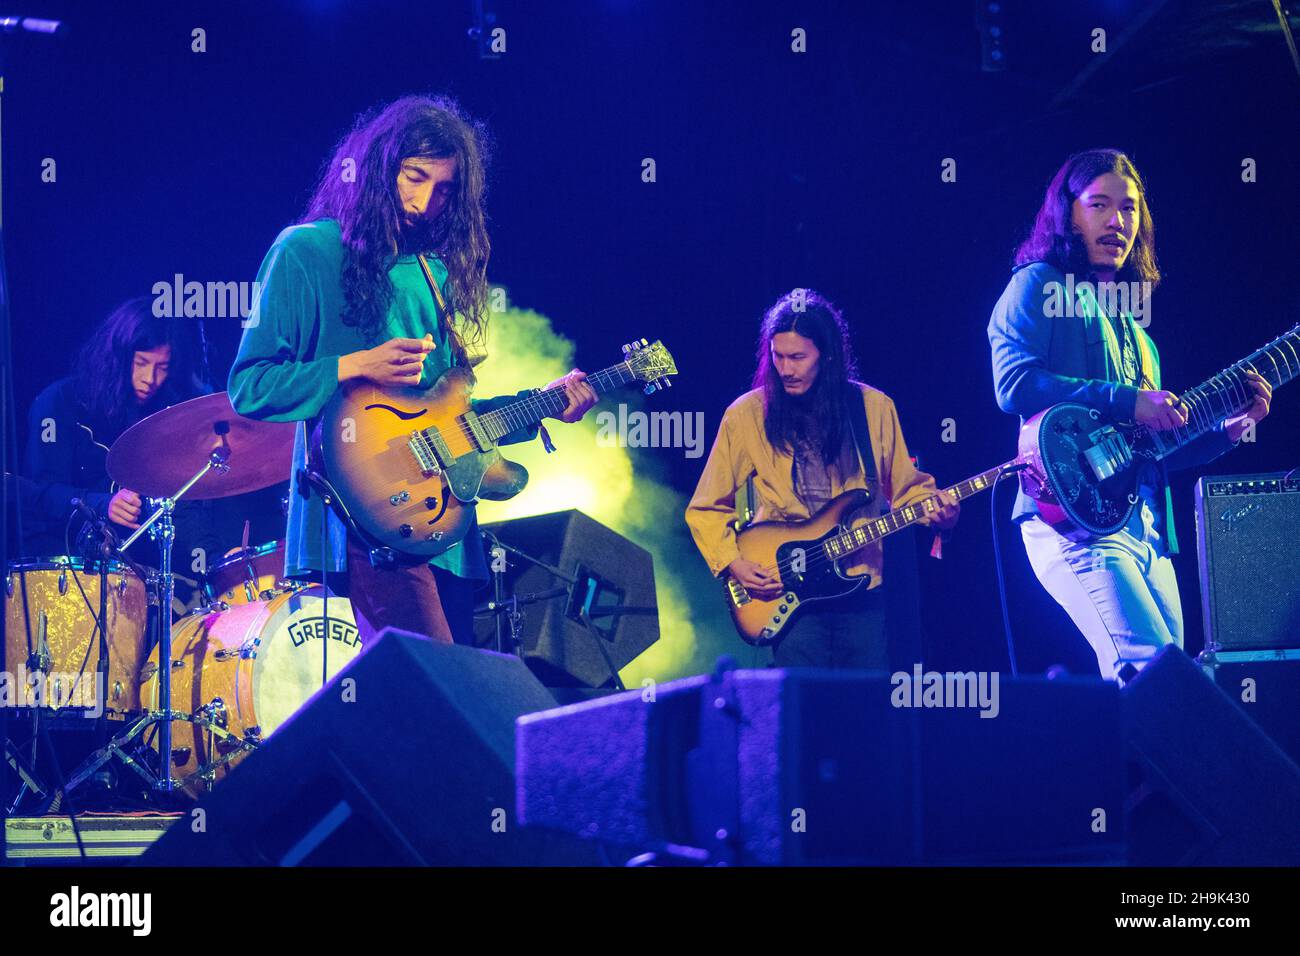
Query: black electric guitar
x: 1084, y: 469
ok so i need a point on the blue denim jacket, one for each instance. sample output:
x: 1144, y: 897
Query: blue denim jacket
x: 1041, y: 360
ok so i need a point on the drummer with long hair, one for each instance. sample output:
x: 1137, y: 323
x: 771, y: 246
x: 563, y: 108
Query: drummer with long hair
x: 133, y: 365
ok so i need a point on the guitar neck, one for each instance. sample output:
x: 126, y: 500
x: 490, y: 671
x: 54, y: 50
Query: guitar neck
x: 1228, y: 393
x: 873, y: 530
x: 549, y: 402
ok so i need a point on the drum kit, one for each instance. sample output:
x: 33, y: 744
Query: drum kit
x: 77, y: 629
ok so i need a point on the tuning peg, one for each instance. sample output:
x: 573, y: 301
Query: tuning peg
x: 650, y: 389
x: 667, y: 381
x: 644, y: 342
x: 626, y: 349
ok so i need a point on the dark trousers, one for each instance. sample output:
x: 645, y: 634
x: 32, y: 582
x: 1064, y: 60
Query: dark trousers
x: 419, y: 598
x: 846, y: 632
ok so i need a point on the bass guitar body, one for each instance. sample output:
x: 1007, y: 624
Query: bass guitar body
x: 796, y: 549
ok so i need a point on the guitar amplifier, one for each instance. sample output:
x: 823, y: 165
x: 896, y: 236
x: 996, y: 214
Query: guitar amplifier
x: 1248, y: 550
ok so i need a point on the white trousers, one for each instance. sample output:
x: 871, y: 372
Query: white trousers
x: 1119, y: 590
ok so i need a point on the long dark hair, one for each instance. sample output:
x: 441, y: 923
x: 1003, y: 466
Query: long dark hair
x: 105, y: 364
x: 369, y: 216
x: 1052, y: 238
x: 821, y: 414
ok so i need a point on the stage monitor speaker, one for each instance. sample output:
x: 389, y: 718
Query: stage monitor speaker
x: 1266, y: 686
x: 809, y: 767
x: 1209, y: 787
x: 559, y: 649
x: 1247, y: 527
x: 405, y: 758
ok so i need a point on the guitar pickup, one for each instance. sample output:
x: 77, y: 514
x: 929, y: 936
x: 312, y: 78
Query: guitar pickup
x: 1110, y: 455
x: 739, y: 596
x: 477, y: 432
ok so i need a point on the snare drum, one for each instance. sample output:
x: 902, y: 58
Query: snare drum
x: 254, y: 574
x: 242, y: 671
x: 64, y: 638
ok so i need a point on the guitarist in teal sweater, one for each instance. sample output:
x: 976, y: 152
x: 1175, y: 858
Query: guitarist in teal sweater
x: 343, y: 296
x: 1061, y: 333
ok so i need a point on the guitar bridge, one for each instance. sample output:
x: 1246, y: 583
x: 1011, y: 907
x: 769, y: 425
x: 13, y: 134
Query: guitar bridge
x: 430, y: 451
x: 739, y: 596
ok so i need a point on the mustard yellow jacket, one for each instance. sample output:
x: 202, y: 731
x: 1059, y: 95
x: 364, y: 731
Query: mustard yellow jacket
x: 742, y: 448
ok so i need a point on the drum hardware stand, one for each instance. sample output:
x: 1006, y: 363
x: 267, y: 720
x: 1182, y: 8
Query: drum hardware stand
x: 26, y: 775
x: 107, y: 547
x: 214, y: 721
x: 165, y: 535
x: 117, y: 748
x: 309, y: 480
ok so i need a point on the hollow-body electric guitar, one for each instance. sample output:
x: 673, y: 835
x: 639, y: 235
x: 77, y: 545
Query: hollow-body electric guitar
x: 1084, y: 469
x: 806, y: 555
x: 406, y: 465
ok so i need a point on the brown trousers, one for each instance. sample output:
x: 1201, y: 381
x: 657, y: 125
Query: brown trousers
x: 418, y: 598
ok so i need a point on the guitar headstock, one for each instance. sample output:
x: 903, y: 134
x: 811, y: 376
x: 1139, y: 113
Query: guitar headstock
x: 651, y: 363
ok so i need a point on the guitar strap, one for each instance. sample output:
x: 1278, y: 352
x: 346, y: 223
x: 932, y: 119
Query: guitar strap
x: 862, y: 436
x: 1146, y: 360
x: 443, y: 310
x: 744, y: 513
x: 458, y: 353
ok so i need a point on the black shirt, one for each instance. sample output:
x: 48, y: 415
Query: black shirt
x: 66, y: 457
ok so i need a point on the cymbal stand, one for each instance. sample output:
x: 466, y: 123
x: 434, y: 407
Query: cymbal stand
x: 161, y: 527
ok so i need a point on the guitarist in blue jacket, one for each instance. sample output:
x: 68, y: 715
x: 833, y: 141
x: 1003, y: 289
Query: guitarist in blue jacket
x: 1055, y: 338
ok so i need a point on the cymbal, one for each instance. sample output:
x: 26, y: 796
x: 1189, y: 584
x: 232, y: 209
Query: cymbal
x: 156, y: 456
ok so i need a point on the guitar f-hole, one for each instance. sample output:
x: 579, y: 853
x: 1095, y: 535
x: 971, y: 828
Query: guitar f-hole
x: 431, y: 503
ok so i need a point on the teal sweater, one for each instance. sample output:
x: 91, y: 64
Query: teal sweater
x: 288, y: 367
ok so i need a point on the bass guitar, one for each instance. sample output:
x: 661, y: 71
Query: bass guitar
x: 806, y: 555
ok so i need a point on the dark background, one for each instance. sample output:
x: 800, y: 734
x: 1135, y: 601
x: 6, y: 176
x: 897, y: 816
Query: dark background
x: 775, y: 170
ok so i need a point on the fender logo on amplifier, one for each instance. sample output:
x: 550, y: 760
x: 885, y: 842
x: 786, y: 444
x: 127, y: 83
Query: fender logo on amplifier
x: 1230, y: 517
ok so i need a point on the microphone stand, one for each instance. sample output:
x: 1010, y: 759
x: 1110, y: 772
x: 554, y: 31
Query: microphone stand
x: 506, y: 610
x: 35, y: 27
x: 101, y: 669
x: 107, y: 548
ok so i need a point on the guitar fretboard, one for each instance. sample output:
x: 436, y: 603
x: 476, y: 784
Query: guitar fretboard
x: 837, y: 546
x: 1228, y: 393
x: 533, y: 408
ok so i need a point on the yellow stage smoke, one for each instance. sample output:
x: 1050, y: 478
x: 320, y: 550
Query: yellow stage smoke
x: 599, y: 479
